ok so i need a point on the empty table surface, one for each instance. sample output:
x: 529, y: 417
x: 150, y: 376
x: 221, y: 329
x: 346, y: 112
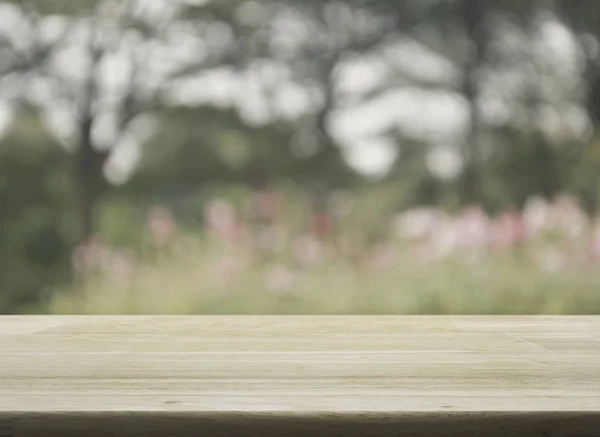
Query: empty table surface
x: 299, y: 375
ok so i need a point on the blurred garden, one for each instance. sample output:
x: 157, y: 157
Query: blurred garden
x: 299, y: 157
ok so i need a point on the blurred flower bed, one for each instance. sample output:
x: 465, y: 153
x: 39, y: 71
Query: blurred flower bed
x: 267, y: 259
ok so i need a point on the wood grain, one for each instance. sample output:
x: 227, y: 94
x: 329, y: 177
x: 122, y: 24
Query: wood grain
x: 299, y: 376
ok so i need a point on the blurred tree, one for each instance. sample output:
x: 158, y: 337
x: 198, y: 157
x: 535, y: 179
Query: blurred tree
x: 306, y: 43
x: 94, y: 78
x: 35, y: 236
x: 583, y: 18
x: 508, y: 77
x: 208, y: 145
x: 129, y: 54
x: 467, y: 29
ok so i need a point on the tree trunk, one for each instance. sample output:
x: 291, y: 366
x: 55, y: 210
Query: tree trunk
x: 470, y: 183
x: 319, y: 164
x: 593, y: 98
x: 90, y: 183
x: 473, y: 14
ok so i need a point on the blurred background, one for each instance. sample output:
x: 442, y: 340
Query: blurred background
x: 300, y: 157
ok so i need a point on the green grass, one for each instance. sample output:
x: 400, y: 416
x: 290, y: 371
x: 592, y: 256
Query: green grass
x: 188, y: 283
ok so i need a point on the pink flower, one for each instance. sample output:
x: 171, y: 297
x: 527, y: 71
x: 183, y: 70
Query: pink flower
x: 594, y: 247
x: 473, y: 228
x: 321, y: 224
x: 221, y: 219
x: 266, y: 206
x: 270, y: 205
x: 240, y: 231
x: 569, y: 217
x: 92, y: 255
x: 308, y: 250
x: 162, y: 226
x: 509, y: 232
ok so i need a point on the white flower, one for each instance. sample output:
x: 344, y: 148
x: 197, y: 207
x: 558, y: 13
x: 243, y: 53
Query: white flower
x: 536, y: 215
x: 220, y: 215
x: 417, y: 223
x: 279, y: 278
x: 308, y: 250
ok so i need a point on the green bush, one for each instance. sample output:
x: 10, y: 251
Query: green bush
x: 34, y: 205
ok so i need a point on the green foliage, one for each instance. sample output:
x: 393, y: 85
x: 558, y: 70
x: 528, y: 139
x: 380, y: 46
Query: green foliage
x: 202, y: 145
x: 34, y: 228
x: 582, y: 167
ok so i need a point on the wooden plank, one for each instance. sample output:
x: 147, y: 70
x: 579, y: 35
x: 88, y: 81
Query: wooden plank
x: 299, y: 376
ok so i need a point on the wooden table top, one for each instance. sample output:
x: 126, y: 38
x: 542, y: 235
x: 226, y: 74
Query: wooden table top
x: 303, y: 367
